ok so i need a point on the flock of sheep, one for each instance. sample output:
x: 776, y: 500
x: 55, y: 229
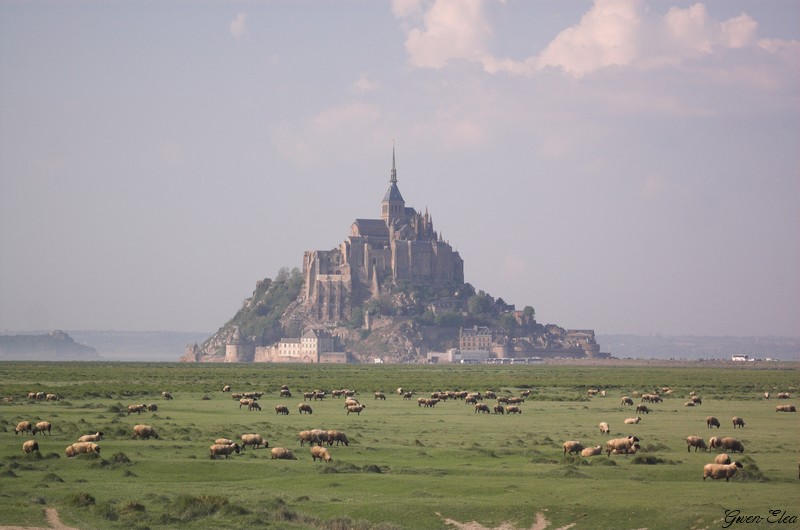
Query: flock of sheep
x: 318, y: 439
x: 722, y: 467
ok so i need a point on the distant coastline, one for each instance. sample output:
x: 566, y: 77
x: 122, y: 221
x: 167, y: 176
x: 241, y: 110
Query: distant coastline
x: 168, y: 346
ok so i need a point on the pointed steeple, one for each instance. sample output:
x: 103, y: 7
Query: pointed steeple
x: 393, y: 172
x: 393, y: 205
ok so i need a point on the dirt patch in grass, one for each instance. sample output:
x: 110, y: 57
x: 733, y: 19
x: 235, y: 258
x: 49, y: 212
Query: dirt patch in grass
x: 542, y: 523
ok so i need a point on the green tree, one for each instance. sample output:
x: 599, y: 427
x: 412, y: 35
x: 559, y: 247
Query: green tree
x: 450, y: 320
x: 507, y: 322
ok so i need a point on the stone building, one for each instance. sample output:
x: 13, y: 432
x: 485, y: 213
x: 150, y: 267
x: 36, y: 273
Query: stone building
x: 314, y: 346
x: 401, y: 246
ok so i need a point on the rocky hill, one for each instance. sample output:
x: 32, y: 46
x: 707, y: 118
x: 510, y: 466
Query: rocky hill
x: 55, y: 346
x: 402, y: 324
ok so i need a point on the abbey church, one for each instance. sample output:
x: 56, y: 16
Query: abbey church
x: 390, y: 260
x: 401, y: 246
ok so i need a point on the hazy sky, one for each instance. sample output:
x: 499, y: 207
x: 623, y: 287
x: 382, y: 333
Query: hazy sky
x: 631, y: 166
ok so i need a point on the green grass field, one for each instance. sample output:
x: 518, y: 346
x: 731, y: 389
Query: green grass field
x: 406, y: 467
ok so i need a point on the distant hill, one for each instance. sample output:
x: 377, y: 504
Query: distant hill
x: 54, y: 346
x: 88, y: 345
x: 700, y: 347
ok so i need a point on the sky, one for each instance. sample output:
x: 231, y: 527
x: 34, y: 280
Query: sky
x: 627, y: 166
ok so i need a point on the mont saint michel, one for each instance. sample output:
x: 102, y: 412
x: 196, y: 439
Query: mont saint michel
x: 392, y: 291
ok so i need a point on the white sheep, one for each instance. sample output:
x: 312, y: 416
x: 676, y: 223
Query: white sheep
x: 23, y: 426
x: 96, y: 437
x: 572, y: 446
x: 695, y: 441
x: 42, y: 427
x: 737, y: 422
x: 30, y: 446
x: 722, y: 458
x: 223, y: 449
x: 280, y: 453
x: 320, y: 452
x: 621, y: 445
x: 592, y: 451
x: 145, y: 432
x: 632, y: 421
x: 253, y: 439
x: 604, y: 428
x: 716, y: 471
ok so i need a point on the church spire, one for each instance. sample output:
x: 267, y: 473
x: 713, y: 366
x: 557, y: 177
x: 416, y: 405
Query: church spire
x: 393, y: 172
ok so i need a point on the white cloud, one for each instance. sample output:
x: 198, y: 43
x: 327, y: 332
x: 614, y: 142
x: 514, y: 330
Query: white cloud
x: 363, y: 84
x: 612, y: 33
x: 607, y: 35
x: 238, y: 26
x: 406, y: 8
x: 452, y: 29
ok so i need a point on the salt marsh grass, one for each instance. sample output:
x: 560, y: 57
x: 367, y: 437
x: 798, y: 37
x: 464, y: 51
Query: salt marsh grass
x: 406, y: 467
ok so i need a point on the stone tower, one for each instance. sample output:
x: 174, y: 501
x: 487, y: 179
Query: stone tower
x: 401, y: 246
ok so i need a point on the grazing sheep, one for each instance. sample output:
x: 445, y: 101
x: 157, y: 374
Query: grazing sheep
x: 592, y: 451
x: 350, y: 402
x: 696, y: 442
x: 642, y: 408
x: 223, y: 441
x: 310, y: 437
x: 513, y: 409
x: 96, y: 437
x: 572, y: 446
x: 152, y: 407
x: 697, y: 400
x: 604, y: 428
x: 711, y: 421
x: 626, y: 451
x: 380, y: 395
x: 499, y: 409
x: 30, y: 446
x: 722, y: 458
x: 51, y: 397
x: 253, y: 439
x: 166, y: 395
x: 785, y: 408
x: 83, y: 448
x: 285, y: 393
x: 766, y: 395
x: 689, y: 404
x: 483, y: 408
x: 136, y: 408
x: 626, y: 401
x: 42, y: 427
x: 716, y: 471
x: 226, y: 388
x: 515, y: 400
x: 713, y: 442
x: 281, y: 409
x: 525, y: 393
x: 280, y: 453
x: 408, y: 395
x: 321, y: 453
x: 339, y: 437
x: 731, y: 444
x: 632, y: 421
x: 254, y: 406
x: 223, y: 449
x: 145, y: 432
x: 23, y: 426
x: 621, y: 444
x: 246, y: 402
x: 355, y: 408
x: 784, y: 395
x: 737, y: 422
x: 305, y: 408
x: 41, y: 396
